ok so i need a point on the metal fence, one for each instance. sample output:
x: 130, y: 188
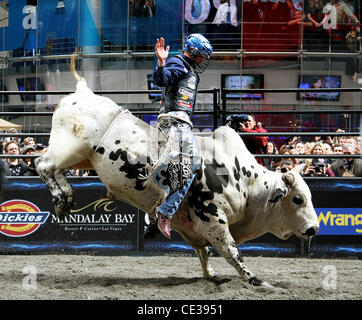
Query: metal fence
x: 219, y: 112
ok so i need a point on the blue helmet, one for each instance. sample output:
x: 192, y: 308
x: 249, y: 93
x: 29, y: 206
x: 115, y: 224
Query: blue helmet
x: 196, y: 44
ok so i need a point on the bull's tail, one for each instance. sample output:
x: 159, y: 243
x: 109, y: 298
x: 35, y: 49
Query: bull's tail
x: 72, y: 67
x: 82, y: 83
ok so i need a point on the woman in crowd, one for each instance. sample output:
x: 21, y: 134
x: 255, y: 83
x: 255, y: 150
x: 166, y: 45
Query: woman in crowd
x: 271, y: 149
x: 317, y: 167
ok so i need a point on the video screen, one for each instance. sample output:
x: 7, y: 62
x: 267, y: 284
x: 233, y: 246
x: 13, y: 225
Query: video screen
x: 318, y: 82
x: 245, y: 81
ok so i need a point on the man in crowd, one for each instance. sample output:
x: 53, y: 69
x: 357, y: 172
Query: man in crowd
x: 13, y: 165
x: 349, y: 166
x: 255, y: 144
x: 247, y: 123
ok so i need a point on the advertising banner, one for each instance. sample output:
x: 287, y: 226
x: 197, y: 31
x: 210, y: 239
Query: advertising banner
x: 29, y: 224
x: 340, y: 221
x: 338, y: 205
x: 28, y: 220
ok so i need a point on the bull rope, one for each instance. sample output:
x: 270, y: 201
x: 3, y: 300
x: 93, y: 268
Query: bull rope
x: 109, y: 127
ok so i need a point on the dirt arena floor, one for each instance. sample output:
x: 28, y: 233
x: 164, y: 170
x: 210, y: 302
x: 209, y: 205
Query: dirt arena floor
x: 74, y: 277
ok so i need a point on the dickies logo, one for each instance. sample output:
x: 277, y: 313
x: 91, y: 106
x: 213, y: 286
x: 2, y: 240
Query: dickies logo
x: 19, y: 218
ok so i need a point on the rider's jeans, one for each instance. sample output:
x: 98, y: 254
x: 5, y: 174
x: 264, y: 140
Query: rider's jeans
x: 183, y: 161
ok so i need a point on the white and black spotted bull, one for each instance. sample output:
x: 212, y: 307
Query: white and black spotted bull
x: 232, y: 199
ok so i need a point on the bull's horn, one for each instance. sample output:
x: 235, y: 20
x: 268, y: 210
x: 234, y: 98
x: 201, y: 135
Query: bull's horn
x: 288, y: 178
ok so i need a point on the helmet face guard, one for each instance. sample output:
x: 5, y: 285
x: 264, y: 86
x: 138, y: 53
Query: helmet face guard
x: 196, y: 44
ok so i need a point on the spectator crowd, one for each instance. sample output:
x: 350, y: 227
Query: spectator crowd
x: 316, y: 166
x: 23, y: 166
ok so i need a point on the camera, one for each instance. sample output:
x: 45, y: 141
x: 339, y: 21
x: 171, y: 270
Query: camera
x: 319, y: 167
x: 235, y: 120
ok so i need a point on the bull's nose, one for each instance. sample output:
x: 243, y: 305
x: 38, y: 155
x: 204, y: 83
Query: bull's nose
x: 312, y: 231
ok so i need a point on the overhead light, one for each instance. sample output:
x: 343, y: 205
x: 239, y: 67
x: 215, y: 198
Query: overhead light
x: 60, y: 4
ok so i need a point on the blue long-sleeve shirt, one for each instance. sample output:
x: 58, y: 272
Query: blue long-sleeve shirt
x: 173, y: 69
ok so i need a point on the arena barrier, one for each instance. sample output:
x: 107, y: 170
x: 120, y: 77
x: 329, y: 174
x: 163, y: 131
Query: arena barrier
x: 101, y: 226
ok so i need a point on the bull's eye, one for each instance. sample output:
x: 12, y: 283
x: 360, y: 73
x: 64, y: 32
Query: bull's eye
x: 297, y: 200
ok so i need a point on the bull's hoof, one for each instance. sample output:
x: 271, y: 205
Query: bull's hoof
x: 255, y: 281
x: 260, y: 283
x: 218, y: 280
x: 63, y: 206
x: 60, y: 213
x: 151, y: 231
x: 266, y: 285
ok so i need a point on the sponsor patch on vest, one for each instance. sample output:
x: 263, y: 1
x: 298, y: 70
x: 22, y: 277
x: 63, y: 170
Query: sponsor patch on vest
x: 185, y: 94
x: 184, y: 104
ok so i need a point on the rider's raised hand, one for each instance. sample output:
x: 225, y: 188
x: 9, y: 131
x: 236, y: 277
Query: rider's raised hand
x: 161, y: 52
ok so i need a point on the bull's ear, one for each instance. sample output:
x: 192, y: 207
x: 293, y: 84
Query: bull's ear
x: 288, y: 178
x: 300, y: 168
x: 278, y: 194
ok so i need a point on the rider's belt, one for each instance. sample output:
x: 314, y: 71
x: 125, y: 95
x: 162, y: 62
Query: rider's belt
x: 179, y: 115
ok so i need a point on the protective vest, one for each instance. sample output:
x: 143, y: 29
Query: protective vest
x: 181, y: 95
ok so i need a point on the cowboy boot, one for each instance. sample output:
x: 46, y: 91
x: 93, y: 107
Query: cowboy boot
x: 164, y: 224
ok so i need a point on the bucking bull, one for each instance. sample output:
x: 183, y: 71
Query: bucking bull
x: 232, y: 199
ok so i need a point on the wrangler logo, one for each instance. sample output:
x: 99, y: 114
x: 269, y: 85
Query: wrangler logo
x: 340, y: 220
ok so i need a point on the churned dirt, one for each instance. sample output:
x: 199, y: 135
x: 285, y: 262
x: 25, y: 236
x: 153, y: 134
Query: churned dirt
x: 173, y: 277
